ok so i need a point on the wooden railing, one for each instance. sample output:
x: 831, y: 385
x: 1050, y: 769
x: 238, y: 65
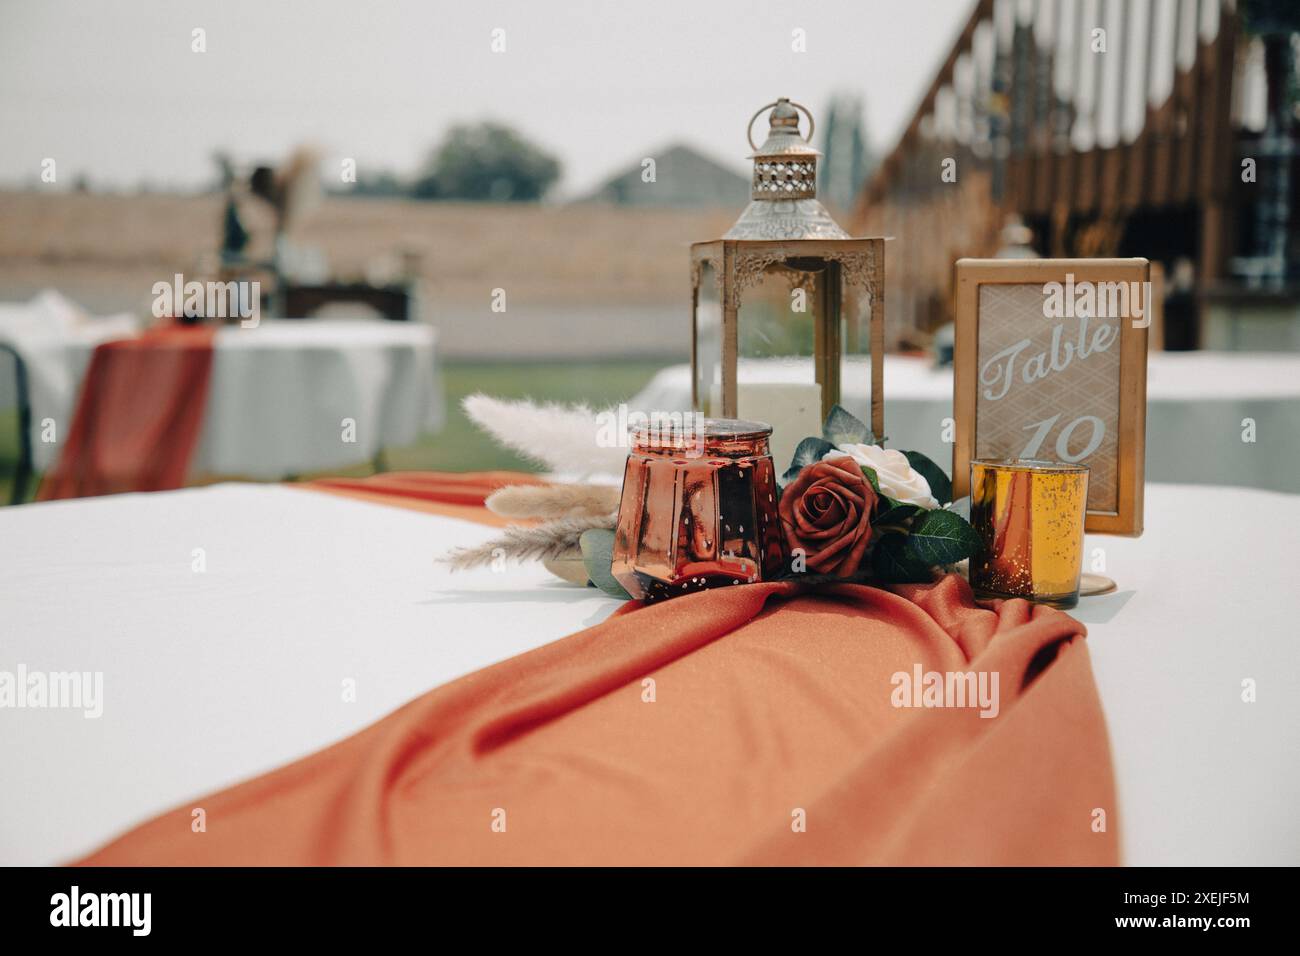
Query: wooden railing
x: 1107, y: 126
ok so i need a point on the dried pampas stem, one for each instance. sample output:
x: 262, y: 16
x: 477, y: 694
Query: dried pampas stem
x: 555, y: 539
x: 554, y: 501
x: 563, y: 438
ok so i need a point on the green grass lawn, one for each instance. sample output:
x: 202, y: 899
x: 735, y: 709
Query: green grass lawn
x: 9, y: 453
x: 460, y: 446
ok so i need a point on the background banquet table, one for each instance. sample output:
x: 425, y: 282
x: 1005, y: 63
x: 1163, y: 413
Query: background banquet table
x: 281, y: 391
x: 54, y: 338
x: 1196, y: 402
x: 215, y: 676
x: 278, y: 395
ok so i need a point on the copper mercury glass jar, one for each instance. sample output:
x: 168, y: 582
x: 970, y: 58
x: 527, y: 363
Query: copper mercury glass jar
x: 698, y: 509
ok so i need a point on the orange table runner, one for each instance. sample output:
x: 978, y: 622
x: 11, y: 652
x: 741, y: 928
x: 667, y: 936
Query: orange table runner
x: 752, y: 724
x: 435, y: 492
x: 138, y: 415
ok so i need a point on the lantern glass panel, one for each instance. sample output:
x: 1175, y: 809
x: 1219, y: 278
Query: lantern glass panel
x: 708, y: 344
x: 780, y: 334
x: 855, y: 341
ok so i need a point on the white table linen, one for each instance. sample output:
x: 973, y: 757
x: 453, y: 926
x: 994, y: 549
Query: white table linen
x: 281, y: 392
x: 1196, y: 404
x: 279, y: 395
x: 54, y: 338
x: 210, y: 678
x: 213, y: 677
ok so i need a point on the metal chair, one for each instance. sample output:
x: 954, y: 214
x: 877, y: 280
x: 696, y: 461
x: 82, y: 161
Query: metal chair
x: 25, y: 468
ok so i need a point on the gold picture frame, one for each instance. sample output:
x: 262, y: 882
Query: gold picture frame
x: 995, y: 304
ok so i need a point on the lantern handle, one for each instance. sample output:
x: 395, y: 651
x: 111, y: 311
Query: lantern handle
x: 749, y: 130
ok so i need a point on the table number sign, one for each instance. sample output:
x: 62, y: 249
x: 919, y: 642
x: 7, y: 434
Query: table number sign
x: 1050, y: 359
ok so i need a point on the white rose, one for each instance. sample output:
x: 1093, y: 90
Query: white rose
x: 894, y: 473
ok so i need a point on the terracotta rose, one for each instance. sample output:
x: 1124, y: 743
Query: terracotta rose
x: 826, y: 512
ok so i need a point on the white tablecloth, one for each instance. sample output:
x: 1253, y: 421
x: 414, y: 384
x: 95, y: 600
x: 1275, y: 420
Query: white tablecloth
x: 279, y: 393
x: 54, y: 338
x: 210, y: 678
x: 1196, y: 402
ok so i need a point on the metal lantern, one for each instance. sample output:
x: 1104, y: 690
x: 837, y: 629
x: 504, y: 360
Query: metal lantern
x: 788, y: 311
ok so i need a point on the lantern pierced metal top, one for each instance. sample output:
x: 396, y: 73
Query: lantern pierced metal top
x: 783, y: 136
x: 783, y: 198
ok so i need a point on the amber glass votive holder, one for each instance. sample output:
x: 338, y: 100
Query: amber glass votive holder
x: 1029, y: 515
x: 698, y: 509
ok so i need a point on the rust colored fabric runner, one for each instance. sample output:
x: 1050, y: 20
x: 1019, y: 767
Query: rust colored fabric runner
x: 138, y: 415
x: 433, y: 492
x: 752, y: 724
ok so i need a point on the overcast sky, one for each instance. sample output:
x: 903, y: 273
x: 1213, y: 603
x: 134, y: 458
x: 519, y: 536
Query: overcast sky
x: 111, y: 88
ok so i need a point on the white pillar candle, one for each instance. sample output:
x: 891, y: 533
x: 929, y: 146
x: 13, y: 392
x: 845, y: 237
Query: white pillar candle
x: 793, y: 409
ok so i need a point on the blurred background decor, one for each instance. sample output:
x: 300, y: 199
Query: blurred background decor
x: 542, y: 235
x: 1110, y: 128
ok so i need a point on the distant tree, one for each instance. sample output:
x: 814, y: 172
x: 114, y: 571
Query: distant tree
x: 486, y: 162
x: 382, y: 183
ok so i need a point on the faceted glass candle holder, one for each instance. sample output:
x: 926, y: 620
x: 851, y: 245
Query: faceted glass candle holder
x: 698, y: 509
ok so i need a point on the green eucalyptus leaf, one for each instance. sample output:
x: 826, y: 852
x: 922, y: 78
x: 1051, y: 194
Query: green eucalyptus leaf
x: 941, y: 537
x: 597, y: 546
x: 940, y: 486
x: 890, y: 561
x: 844, y: 428
x: 808, y: 451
